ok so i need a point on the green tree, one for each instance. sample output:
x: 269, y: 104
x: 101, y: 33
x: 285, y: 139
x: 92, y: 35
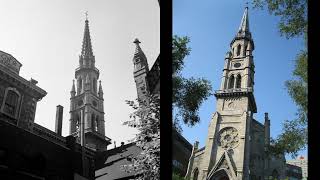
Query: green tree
x: 293, y: 23
x: 188, y: 94
x: 146, y: 117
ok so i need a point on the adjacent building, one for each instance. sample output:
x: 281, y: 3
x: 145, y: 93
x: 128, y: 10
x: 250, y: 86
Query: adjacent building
x: 28, y: 150
x: 181, y: 152
x: 301, y: 162
x: 236, y: 145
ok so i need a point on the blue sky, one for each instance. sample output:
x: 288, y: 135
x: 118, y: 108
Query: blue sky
x: 211, y: 25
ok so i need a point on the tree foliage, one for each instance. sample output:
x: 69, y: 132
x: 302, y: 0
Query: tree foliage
x: 188, y: 94
x: 293, y: 23
x: 292, y: 13
x: 146, y: 117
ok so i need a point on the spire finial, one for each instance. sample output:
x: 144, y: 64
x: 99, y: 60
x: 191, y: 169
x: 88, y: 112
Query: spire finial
x: 136, y: 41
x: 247, y: 5
x: 86, y: 13
x: 244, y: 25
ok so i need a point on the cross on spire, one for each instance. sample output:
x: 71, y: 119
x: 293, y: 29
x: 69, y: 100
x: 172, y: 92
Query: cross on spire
x: 86, y: 13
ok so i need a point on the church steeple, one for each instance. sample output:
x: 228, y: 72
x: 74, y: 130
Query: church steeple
x: 86, y: 59
x: 244, y: 25
x: 86, y: 43
x: 238, y: 71
x: 87, y: 103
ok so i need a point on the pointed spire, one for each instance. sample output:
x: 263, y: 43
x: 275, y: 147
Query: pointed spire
x: 86, y: 43
x: 244, y: 25
x: 139, y: 55
x: 100, y: 89
x: 244, y: 31
x: 73, y: 89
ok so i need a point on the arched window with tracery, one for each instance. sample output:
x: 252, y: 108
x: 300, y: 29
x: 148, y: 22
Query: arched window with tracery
x: 238, y: 50
x: 231, y: 82
x: 195, y: 174
x: 94, y: 85
x: 97, y: 123
x: 10, y: 104
x: 93, y: 121
x: 238, y: 81
x: 79, y: 85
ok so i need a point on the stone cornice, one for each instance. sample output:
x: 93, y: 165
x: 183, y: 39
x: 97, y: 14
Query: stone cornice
x: 21, y: 82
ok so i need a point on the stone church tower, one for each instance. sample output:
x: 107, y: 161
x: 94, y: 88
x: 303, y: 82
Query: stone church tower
x: 235, y: 145
x: 86, y: 102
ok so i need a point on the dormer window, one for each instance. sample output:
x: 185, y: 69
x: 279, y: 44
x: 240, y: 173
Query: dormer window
x: 10, y: 104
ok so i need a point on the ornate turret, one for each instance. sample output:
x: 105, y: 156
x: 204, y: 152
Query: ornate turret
x: 140, y: 71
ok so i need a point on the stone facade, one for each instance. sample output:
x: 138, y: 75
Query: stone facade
x: 236, y: 143
x: 86, y: 102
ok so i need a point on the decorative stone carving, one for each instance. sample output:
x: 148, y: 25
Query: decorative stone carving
x: 228, y: 138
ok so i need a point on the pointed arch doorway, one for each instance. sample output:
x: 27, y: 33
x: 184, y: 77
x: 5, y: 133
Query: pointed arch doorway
x: 221, y: 174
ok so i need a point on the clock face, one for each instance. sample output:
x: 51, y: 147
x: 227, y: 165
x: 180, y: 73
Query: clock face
x: 236, y: 65
x: 80, y: 102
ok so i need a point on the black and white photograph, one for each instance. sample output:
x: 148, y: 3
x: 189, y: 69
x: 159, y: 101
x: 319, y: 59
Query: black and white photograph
x: 79, y: 89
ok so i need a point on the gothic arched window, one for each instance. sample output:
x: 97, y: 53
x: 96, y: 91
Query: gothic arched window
x: 93, y: 121
x: 10, y: 104
x: 245, y: 50
x: 96, y: 123
x: 238, y: 50
x: 275, y: 174
x: 79, y: 85
x: 238, y: 81
x: 94, y: 85
x: 77, y: 123
x: 195, y: 174
x: 231, y: 82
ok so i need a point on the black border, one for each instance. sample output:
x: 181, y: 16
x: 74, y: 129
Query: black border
x: 165, y: 90
x: 313, y: 90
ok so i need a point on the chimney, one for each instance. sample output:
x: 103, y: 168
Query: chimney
x: 122, y: 143
x: 114, y: 142
x: 266, y: 129
x: 59, y: 114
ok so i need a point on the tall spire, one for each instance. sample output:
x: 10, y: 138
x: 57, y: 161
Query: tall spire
x: 86, y: 43
x: 139, y: 56
x: 73, y: 89
x: 100, y: 90
x: 244, y: 31
x: 244, y: 25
